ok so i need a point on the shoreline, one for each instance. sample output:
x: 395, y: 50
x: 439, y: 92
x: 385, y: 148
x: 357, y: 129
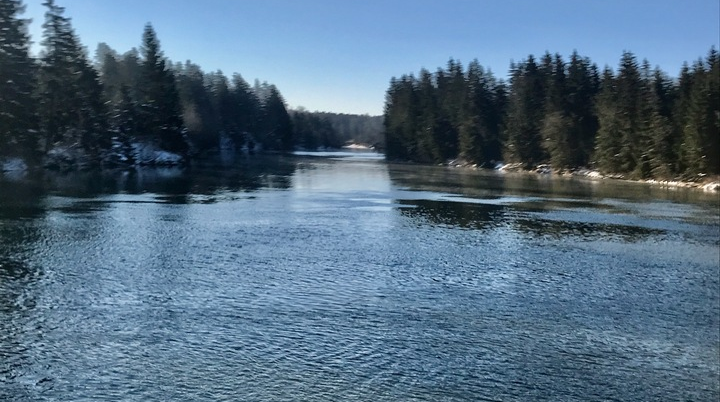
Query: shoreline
x: 708, y: 183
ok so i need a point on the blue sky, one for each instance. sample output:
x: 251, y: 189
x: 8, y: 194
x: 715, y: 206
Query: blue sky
x: 339, y: 55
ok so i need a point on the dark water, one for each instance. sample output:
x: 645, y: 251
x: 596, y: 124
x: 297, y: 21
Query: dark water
x: 338, y: 277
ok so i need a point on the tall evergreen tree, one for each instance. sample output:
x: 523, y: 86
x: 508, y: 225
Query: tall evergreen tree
x: 525, y: 115
x: 433, y: 128
x: 71, y: 110
x: 17, y: 107
x: 559, y: 140
x: 582, y: 87
x: 609, y: 135
x: 277, y: 126
x: 399, y: 122
x: 160, y: 105
x: 701, y: 133
x: 629, y: 106
x: 200, y: 116
x: 479, y: 140
x: 656, y: 116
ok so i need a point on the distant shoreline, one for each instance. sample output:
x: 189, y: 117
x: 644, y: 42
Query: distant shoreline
x: 707, y: 183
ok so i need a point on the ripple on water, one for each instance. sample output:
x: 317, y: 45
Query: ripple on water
x: 356, y: 293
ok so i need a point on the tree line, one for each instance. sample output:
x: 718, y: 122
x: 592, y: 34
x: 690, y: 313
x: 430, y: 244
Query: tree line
x: 106, y: 110
x: 315, y: 130
x: 636, y: 121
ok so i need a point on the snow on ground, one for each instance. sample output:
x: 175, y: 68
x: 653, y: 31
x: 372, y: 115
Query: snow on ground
x: 13, y: 165
x: 149, y: 154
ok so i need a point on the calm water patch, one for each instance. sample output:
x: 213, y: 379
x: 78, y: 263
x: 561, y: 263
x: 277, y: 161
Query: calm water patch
x: 336, y: 276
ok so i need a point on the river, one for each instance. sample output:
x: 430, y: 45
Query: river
x: 338, y: 276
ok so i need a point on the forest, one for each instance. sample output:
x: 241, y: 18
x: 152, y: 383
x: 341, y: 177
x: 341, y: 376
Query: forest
x: 636, y: 122
x: 63, y: 109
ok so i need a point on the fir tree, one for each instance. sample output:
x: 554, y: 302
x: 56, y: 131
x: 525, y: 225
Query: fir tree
x: 582, y: 88
x: 276, y: 123
x: 609, y: 136
x: 71, y: 110
x: 399, y: 118
x: 432, y: 126
x: 17, y: 107
x: 159, y: 103
x: 525, y: 115
x: 701, y: 133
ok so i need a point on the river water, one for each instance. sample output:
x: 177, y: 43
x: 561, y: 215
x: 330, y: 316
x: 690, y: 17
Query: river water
x: 336, y: 276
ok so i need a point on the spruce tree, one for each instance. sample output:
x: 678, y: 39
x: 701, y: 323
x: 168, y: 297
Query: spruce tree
x: 656, y: 115
x: 17, y: 107
x: 401, y: 107
x: 479, y: 141
x: 160, y: 110
x: 559, y: 140
x: 609, y: 136
x: 277, y: 126
x: 245, y: 110
x: 431, y: 124
x: 629, y: 103
x: 525, y: 115
x: 199, y: 114
x: 582, y: 88
x: 72, y: 111
x: 701, y: 133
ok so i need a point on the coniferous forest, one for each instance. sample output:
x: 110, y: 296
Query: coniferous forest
x: 636, y: 122
x: 64, y: 109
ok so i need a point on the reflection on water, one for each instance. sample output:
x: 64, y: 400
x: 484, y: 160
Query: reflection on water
x: 339, y: 277
x: 514, y: 216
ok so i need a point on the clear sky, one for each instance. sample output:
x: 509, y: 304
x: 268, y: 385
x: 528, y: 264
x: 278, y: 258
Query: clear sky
x: 339, y: 55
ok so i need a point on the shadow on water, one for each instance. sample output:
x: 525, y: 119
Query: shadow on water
x: 489, y: 184
x: 23, y: 196
x: 454, y: 214
x: 478, y: 216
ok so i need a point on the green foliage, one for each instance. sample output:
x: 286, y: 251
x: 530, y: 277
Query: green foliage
x: 525, y: 115
x: 160, y: 112
x: 450, y: 114
x: 354, y: 128
x: 99, y: 111
x: 314, y: 131
x: 637, y: 123
x: 276, y: 129
x: 17, y: 82
x: 69, y: 93
x: 700, y: 148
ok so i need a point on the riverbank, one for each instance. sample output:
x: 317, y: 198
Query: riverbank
x: 705, y: 183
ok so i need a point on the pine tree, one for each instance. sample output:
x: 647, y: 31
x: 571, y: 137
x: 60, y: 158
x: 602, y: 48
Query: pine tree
x: 479, y: 140
x: 71, y: 111
x: 277, y: 126
x: 245, y: 112
x: 159, y: 102
x: 657, y: 106
x: 629, y: 104
x: 559, y: 140
x: 200, y: 116
x: 525, y: 115
x: 451, y: 98
x: 17, y: 107
x: 431, y: 125
x: 701, y: 133
x: 582, y: 87
x: 609, y: 136
x: 399, y: 118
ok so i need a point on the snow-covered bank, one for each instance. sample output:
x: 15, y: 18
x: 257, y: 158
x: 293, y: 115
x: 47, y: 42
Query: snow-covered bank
x: 13, y: 165
x: 708, y: 184
x: 150, y: 155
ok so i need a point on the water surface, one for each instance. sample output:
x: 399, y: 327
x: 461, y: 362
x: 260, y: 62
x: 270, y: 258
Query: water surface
x: 339, y: 277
